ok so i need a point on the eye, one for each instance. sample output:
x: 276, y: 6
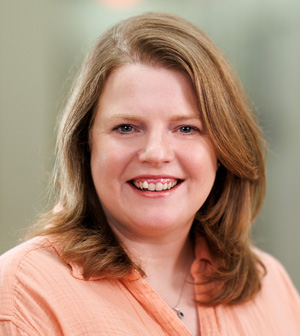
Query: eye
x: 187, y: 129
x: 124, y: 128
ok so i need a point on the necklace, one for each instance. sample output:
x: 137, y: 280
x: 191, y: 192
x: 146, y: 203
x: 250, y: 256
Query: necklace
x: 178, y: 312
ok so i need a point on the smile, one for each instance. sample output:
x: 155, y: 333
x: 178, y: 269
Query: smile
x: 155, y: 185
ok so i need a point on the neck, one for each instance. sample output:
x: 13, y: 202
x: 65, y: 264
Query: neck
x: 163, y: 260
x: 167, y: 263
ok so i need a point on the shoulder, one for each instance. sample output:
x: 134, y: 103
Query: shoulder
x: 277, y: 282
x: 275, y: 310
x: 25, y: 262
x: 27, y: 258
x: 20, y: 251
x: 26, y: 272
x: 273, y: 266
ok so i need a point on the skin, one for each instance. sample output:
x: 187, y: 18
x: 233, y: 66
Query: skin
x: 147, y: 128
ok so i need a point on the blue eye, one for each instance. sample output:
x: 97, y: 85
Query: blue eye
x: 125, y: 128
x: 188, y: 129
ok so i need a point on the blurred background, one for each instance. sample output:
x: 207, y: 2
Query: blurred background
x: 43, y: 43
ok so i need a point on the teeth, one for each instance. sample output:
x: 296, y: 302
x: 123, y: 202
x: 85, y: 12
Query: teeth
x: 159, y: 186
x: 151, y: 186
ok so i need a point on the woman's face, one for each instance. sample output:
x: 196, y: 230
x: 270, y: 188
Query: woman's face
x: 152, y: 165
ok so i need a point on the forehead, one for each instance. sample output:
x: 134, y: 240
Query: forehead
x: 140, y: 87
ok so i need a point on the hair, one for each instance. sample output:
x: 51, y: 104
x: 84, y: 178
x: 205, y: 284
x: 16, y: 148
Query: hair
x: 225, y: 219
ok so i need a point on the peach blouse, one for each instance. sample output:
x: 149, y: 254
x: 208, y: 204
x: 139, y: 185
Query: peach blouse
x: 42, y: 295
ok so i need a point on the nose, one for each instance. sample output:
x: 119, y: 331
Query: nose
x: 156, y: 149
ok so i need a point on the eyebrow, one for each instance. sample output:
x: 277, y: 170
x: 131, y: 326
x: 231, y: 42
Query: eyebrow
x: 185, y: 117
x: 137, y: 118
x: 125, y: 116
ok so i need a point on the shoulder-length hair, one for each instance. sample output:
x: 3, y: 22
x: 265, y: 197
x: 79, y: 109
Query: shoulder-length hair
x: 225, y: 218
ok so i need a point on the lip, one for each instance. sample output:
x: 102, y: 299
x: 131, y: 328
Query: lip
x: 153, y: 194
x: 163, y: 179
x: 156, y: 177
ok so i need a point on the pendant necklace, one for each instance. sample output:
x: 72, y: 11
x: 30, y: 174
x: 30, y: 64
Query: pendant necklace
x: 178, y: 312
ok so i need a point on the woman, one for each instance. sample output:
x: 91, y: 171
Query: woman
x: 159, y: 174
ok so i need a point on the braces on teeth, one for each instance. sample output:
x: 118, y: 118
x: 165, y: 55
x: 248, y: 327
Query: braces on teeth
x: 155, y: 186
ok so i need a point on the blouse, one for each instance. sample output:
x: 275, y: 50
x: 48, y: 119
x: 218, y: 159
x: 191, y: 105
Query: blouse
x: 40, y: 294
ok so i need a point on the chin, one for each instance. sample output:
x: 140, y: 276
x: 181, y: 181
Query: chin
x: 158, y: 225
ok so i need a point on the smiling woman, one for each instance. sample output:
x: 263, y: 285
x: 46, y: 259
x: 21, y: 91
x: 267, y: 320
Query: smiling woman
x: 159, y: 175
x: 146, y: 125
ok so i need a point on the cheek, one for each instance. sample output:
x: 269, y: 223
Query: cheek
x: 103, y: 155
x: 99, y: 164
x: 203, y: 173
x: 211, y: 156
x: 202, y: 159
x: 102, y: 175
x: 108, y: 164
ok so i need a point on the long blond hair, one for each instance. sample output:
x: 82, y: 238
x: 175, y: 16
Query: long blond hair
x: 225, y: 218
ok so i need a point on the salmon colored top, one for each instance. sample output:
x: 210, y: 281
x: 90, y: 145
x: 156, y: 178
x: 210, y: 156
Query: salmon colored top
x: 42, y: 295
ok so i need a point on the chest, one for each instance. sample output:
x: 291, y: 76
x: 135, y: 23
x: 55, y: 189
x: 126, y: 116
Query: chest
x: 116, y: 308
